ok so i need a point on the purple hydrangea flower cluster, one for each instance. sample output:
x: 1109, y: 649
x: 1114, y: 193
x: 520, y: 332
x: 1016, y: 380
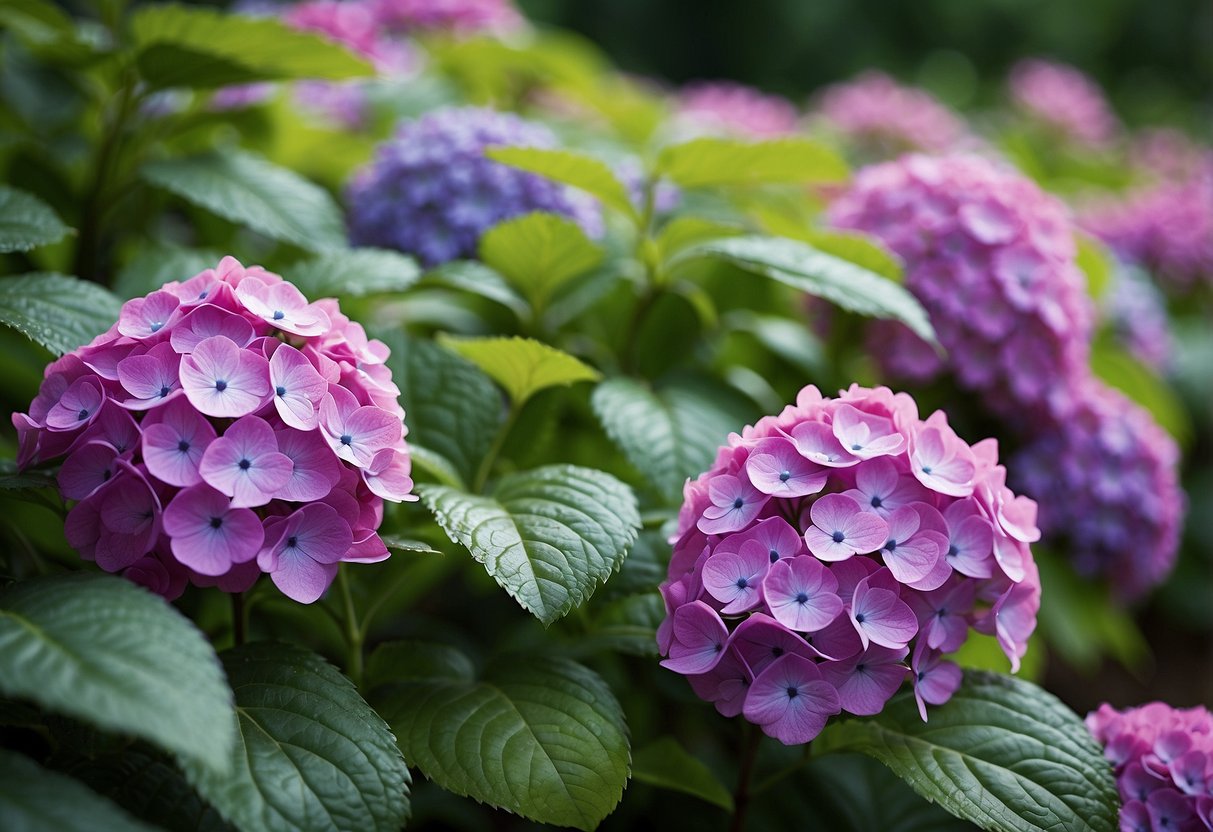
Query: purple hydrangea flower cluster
x: 735, y: 109
x: 887, y: 118
x: 222, y: 428
x: 1063, y: 99
x: 992, y: 259
x: 463, y: 17
x: 1163, y: 758
x: 1105, y: 477
x: 837, y: 549
x: 1136, y: 312
x: 431, y: 192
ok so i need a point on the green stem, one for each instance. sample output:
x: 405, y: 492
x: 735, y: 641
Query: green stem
x: 239, y: 618
x: 353, y: 633
x: 486, y: 464
x: 741, y: 796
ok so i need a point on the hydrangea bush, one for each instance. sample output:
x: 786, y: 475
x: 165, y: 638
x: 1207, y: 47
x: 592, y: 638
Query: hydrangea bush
x: 884, y: 118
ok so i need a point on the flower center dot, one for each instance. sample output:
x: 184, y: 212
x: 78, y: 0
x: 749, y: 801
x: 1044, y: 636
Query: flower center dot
x: 244, y: 464
x: 292, y: 542
x: 838, y: 537
x: 890, y: 544
x: 859, y: 617
x: 281, y: 391
x: 156, y: 326
x: 279, y: 314
x: 164, y: 391
x: 774, y: 556
x: 793, y: 692
x: 346, y: 439
x: 922, y: 674
x: 216, y: 522
x: 801, y: 598
x: 742, y: 583
x: 860, y: 668
x: 777, y: 652
x: 856, y: 447
x: 183, y: 446
x: 202, y: 295
x: 876, y: 502
x: 953, y: 551
x: 784, y: 476
x: 926, y: 469
x: 738, y: 503
x: 220, y: 385
x: 83, y: 414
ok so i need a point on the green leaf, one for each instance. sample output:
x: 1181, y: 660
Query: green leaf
x: 576, y: 169
x: 670, y: 433
x: 415, y: 661
x: 247, y: 189
x: 666, y: 764
x: 155, y: 265
x: 684, y: 232
x: 354, y: 273
x: 33, y: 799
x: 310, y: 753
x: 714, y: 162
x: 541, y: 737
x: 522, y: 366
x: 396, y: 543
x: 184, y: 46
x: 27, y: 222
x: 59, y: 312
x: 108, y: 652
x: 548, y: 536
x: 1002, y: 753
x: 801, y: 266
x: 538, y: 253
x: 479, y: 279
x: 450, y: 407
x: 1096, y: 263
x: 863, y: 250
x: 1141, y: 384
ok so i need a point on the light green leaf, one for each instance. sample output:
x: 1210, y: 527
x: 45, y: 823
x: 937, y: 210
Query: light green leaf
x: 1141, y: 384
x: 451, y: 408
x: 863, y: 250
x: 310, y: 753
x: 27, y: 222
x: 576, y: 169
x: 666, y: 764
x: 59, y: 312
x: 714, y: 162
x: 479, y: 279
x: 670, y: 433
x: 155, y: 265
x: 396, y: 543
x: 1002, y: 753
x: 247, y: 189
x: 1096, y: 263
x: 801, y: 266
x: 538, y: 253
x: 684, y: 232
x: 354, y: 273
x: 523, y: 366
x: 541, y: 737
x: 108, y: 652
x: 187, y: 46
x: 548, y: 536
x: 33, y: 799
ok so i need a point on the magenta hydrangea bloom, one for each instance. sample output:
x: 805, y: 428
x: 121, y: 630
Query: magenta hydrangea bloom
x: 463, y: 17
x: 789, y: 605
x: 735, y: 109
x: 1064, y: 100
x: 196, y: 444
x: 885, y: 118
x: 1163, y: 759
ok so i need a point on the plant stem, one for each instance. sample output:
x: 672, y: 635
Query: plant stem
x: 239, y: 624
x: 741, y: 797
x: 486, y: 464
x: 353, y: 633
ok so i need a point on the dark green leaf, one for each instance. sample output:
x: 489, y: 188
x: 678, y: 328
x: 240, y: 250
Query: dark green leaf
x: 103, y: 650
x: 355, y: 273
x: 155, y: 265
x: 479, y: 279
x: 709, y: 162
x: 548, y: 536
x: 523, y: 366
x: 414, y: 661
x: 666, y: 764
x: 538, y: 253
x: 27, y: 222
x: 33, y: 799
x: 59, y: 312
x: 580, y: 171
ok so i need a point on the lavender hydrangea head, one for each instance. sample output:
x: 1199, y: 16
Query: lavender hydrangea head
x: 1163, y: 759
x: 725, y: 107
x: 1064, y: 100
x: 1105, y: 478
x: 460, y: 17
x: 885, y: 118
x: 431, y: 192
x: 992, y: 259
x: 837, y: 550
x: 1136, y: 313
x: 223, y: 428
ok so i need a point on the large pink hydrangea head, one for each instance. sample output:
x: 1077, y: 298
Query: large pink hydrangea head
x: 1163, y: 759
x: 225, y: 426
x: 835, y: 551
x: 1105, y: 477
x: 728, y: 108
x: 886, y: 119
x: 992, y: 259
x: 1064, y: 100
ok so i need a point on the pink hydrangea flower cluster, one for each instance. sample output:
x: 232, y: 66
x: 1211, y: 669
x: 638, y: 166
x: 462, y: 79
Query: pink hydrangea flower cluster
x: 1163, y: 758
x: 837, y: 549
x: 462, y: 17
x: 886, y: 118
x: 1064, y: 99
x: 735, y: 109
x: 222, y: 428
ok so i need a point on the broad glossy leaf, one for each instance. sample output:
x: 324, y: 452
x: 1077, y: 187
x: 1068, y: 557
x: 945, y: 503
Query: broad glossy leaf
x: 110, y: 653
x: 863, y: 250
x: 684, y: 231
x: 710, y: 162
x: 576, y: 169
x: 538, y: 253
x: 666, y: 764
x: 479, y: 279
x: 27, y: 222
x: 354, y: 273
x: 1096, y: 263
x: 541, y: 737
x: 310, y: 753
x: 1002, y: 753
x: 188, y: 46
x: 33, y: 799
x: 801, y: 266
x: 548, y: 536
x: 247, y: 189
x: 155, y: 265
x: 523, y: 366
x: 56, y: 311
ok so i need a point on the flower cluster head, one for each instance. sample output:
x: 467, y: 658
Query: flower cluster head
x: 1105, y: 477
x: 992, y: 259
x: 1163, y: 758
x: 1136, y: 313
x: 1064, y: 100
x: 222, y: 428
x: 460, y: 17
x: 886, y: 118
x: 837, y: 549
x: 431, y: 191
x: 735, y: 109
